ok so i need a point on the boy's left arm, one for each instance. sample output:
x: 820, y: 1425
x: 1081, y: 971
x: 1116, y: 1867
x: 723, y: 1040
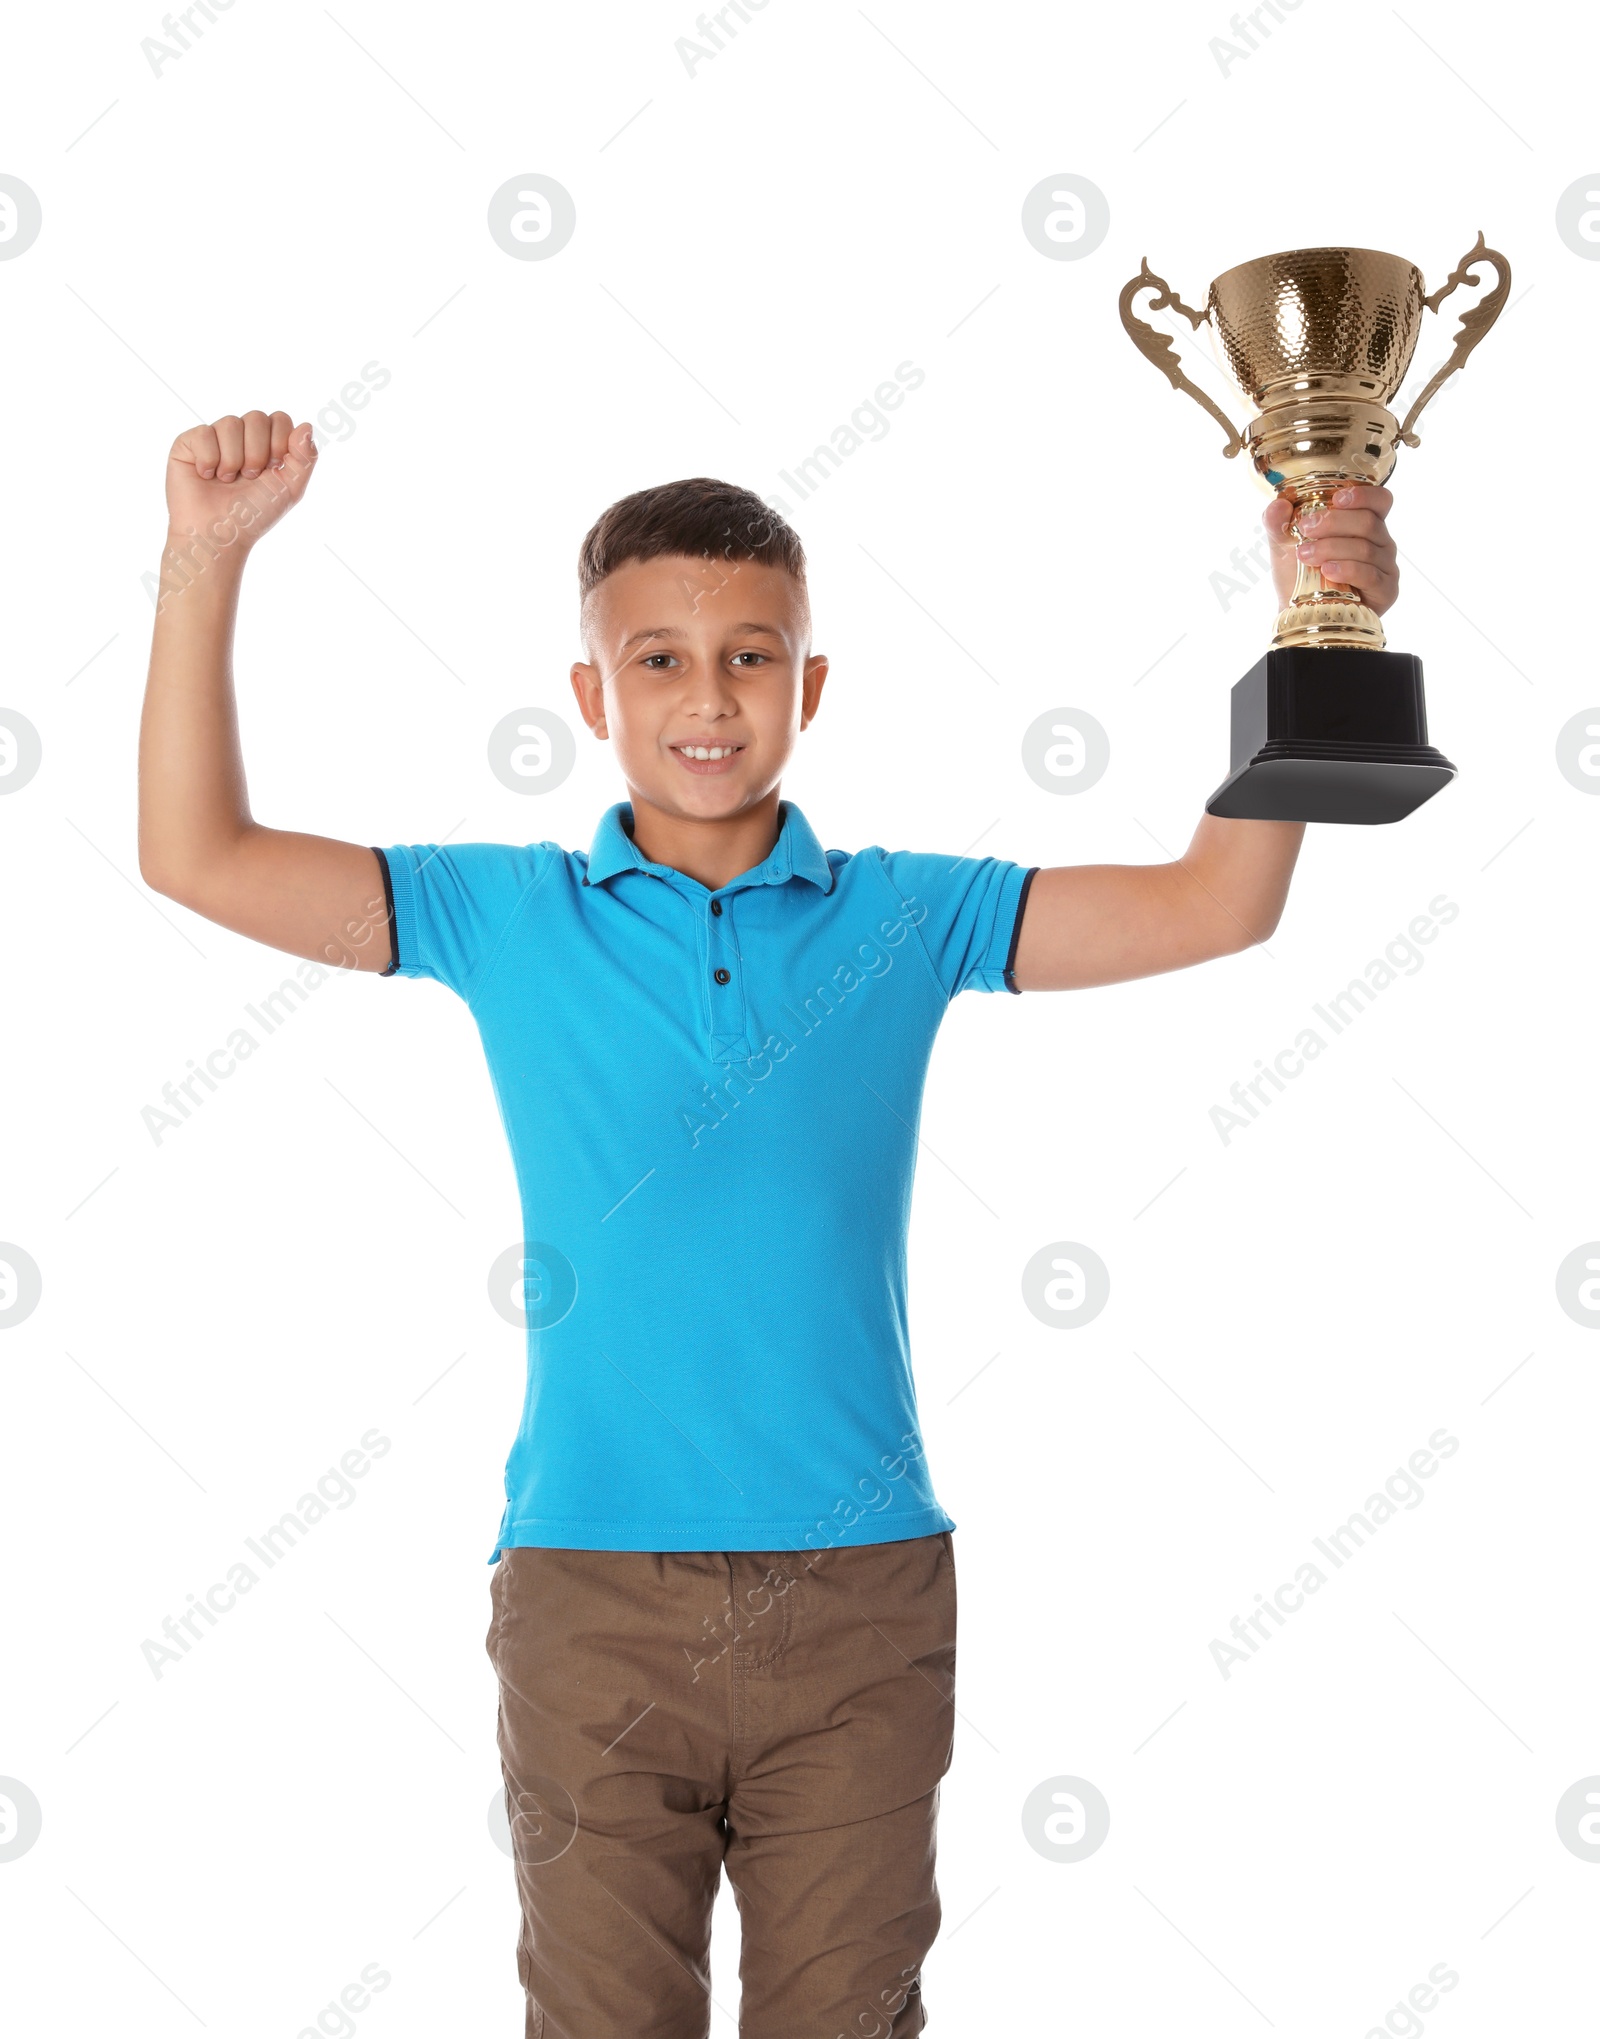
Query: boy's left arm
x: 1090, y: 924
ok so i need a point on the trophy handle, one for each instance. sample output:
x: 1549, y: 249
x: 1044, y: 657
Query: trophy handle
x: 1474, y: 324
x: 1157, y: 347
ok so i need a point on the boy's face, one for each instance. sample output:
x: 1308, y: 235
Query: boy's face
x: 691, y: 655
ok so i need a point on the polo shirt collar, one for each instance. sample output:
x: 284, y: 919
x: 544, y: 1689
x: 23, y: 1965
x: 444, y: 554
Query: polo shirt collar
x: 796, y: 854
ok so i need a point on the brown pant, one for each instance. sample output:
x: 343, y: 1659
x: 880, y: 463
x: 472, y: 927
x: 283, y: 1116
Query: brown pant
x: 787, y: 1713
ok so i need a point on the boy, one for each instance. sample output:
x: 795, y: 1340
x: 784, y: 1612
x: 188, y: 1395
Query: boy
x: 724, y: 1596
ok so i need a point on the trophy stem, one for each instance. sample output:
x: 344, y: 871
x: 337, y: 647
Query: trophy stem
x: 1319, y: 613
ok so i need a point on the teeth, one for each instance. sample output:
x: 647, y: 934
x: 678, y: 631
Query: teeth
x: 708, y: 751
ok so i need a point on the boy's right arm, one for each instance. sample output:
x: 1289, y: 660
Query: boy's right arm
x: 227, y: 485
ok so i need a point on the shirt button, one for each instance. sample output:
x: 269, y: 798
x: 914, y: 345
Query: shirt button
x: 716, y: 907
x: 722, y: 976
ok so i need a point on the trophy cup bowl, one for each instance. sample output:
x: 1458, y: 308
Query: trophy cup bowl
x: 1328, y: 725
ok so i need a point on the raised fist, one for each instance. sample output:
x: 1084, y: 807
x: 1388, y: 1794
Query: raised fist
x: 229, y: 482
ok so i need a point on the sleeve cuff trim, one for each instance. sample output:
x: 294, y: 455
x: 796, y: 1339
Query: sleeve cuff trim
x: 388, y: 899
x: 1016, y: 928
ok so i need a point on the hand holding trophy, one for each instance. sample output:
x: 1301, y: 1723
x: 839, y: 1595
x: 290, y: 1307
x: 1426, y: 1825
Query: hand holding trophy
x: 1328, y: 725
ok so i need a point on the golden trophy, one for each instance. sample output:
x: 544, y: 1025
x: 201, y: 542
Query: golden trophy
x: 1328, y: 725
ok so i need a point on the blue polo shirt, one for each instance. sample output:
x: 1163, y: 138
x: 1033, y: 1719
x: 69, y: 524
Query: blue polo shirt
x: 712, y: 1101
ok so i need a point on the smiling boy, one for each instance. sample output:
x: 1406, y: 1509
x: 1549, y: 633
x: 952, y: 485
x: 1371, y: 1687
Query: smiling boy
x: 724, y: 1601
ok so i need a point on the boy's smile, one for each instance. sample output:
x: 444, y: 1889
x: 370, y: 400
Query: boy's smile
x: 707, y: 758
x: 700, y: 673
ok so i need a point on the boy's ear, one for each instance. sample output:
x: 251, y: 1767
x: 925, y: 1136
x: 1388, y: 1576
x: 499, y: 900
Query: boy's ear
x: 589, y: 692
x: 813, y: 678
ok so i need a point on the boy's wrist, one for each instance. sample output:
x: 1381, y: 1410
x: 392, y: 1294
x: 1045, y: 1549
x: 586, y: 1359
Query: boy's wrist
x: 222, y: 539
x: 204, y: 567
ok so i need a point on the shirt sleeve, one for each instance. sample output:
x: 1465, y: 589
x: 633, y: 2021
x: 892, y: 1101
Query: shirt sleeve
x: 967, y: 913
x: 450, y: 909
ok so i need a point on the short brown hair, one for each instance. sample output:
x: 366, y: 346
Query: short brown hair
x: 703, y: 518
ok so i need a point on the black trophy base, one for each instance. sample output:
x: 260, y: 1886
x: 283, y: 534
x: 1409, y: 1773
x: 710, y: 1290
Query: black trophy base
x: 1330, y: 734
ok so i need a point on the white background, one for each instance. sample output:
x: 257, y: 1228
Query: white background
x: 226, y: 1311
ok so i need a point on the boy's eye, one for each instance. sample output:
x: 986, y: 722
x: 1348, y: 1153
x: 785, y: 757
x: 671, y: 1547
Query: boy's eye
x: 658, y: 661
